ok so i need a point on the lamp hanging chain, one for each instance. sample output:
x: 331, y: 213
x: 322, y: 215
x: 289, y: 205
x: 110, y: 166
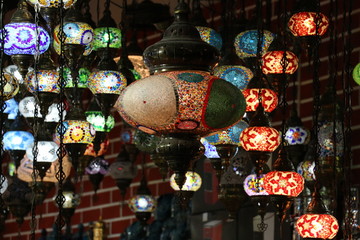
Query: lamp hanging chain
x: 316, y: 95
x: 2, y: 102
x: 348, y: 90
x: 284, y: 64
x: 60, y: 175
x: 35, y: 126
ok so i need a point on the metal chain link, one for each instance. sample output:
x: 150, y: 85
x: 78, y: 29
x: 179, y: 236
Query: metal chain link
x: 35, y: 126
x: 2, y: 102
x: 61, y: 152
x: 348, y: 90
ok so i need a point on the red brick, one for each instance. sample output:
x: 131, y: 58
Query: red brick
x: 163, y: 188
x: 46, y: 222
x: 85, y: 201
x: 91, y: 215
x: 102, y: 198
x: 111, y: 212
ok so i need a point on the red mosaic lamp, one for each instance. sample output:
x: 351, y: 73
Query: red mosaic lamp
x: 273, y: 61
x: 181, y: 101
x: 259, y: 139
x: 317, y: 223
x: 283, y: 184
x: 307, y: 20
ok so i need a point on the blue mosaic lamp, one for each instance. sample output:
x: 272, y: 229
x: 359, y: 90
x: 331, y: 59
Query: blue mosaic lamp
x: 17, y: 140
x: 226, y: 143
x: 246, y: 43
x: 296, y: 138
x: 210, y: 36
x: 24, y: 39
x: 143, y: 203
x: 238, y: 75
x: 12, y: 108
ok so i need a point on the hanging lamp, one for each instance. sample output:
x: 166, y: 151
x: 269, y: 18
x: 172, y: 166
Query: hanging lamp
x: 96, y: 170
x: 231, y: 192
x: 143, y: 203
x: 78, y: 37
x: 296, y: 138
x: 123, y: 171
x: 43, y: 83
x: 71, y: 201
x: 107, y: 35
x: 317, y: 223
x: 18, y: 198
x: 283, y: 184
x: 77, y: 134
x: 227, y: 143
x: 101, y: 124
x: 184, y: 113
x: 17, y: 140
x: 24, y: 38
x: 192, y: 184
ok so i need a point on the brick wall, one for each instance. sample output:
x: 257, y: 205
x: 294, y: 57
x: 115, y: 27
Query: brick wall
x: 114, y: 210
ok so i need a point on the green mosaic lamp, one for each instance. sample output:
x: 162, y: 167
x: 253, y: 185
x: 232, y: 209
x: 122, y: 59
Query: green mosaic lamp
x: 107, y: 35
x: 101, y: 124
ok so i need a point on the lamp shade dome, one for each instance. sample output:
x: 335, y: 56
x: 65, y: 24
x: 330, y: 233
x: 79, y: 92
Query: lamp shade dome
x: 254, y: 185
x: 82, y: 78
x: 296, y: 135
x: 17, y: 140
x: 264, y: 139
x: 25, y: 38
x: 112, y: 82
x: 43, y: 81
x: 99, y: 122
x: 246, y: 43
x: 192, y: 183
x: 306, y: 169
x: 269, y: 99
x: 318, y: 226
x: 52, y: 3
x: 142, y: 203
x: 27, y: 107
x: 14, y: 71
x: 12, y: 108
x: 210, y: 150
x: 106, y: 37
x: 356, y: 73
x: 180, y: 102
x: 228, y: 136
x: 240, y: 76
x: 210, y: 36
x: 11, y: 87
x: 285, y: 183
x: 47, y: 151
x: 273, y: 62
x: 76, y: 131
x: 77, y: 33
x: 303, y: 24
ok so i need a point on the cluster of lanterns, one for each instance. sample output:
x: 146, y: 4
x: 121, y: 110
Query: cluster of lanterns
x: 181, y: 102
